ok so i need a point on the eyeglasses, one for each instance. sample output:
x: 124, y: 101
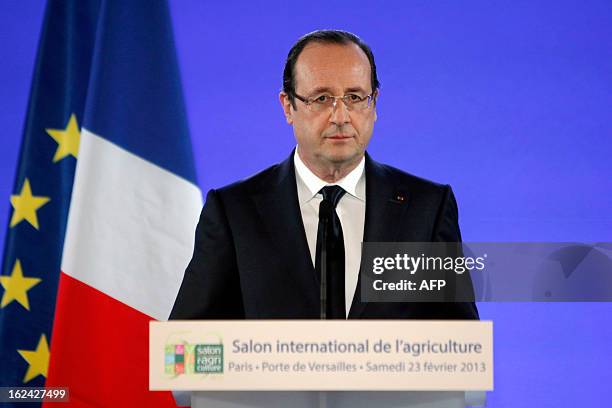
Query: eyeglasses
x: 353, y: 102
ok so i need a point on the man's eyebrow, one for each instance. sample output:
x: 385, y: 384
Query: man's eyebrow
x: 354, y: 89
x: 320, y: 89
x: 325, y: 89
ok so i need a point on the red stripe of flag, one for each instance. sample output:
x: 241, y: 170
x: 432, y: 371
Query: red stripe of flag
x: 100, y: 350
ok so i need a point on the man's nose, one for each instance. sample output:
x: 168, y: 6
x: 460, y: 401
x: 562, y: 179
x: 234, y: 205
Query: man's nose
x: 340, y: 114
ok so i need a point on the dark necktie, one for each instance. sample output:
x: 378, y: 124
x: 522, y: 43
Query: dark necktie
x: 330, y: 232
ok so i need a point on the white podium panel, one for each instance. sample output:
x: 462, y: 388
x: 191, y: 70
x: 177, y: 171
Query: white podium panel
x: 323, y: 364
x: 321, y: 356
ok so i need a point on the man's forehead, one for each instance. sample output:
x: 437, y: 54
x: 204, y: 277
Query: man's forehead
x: 332, y: 66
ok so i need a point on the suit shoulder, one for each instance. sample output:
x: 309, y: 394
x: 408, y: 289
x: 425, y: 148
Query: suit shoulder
x: 251, y: 184
x: 411, y: 182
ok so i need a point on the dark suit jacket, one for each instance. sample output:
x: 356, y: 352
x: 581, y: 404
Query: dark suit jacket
x: 251, y: 258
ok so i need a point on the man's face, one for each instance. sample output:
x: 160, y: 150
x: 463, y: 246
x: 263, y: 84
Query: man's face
x: 335, y: 136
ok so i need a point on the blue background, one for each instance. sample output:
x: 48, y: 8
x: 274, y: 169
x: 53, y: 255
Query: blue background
x: 509, y: 102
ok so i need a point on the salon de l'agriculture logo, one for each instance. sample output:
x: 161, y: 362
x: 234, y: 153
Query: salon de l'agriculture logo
x: 186, y: 358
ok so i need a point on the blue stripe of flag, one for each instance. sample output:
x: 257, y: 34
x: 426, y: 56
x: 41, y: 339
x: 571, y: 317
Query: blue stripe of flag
x: 136, y: 101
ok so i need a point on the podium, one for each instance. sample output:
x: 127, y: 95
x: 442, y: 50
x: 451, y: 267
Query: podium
x: 333, y: 399
x: 322, y: 363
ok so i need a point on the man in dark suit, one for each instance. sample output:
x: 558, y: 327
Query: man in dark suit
x: 264, y: 244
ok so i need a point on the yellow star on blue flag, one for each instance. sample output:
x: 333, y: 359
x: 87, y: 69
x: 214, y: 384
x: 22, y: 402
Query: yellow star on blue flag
x: 38, y: 359
x: 25, y: 205
x: 67, y: 139
x: 16, y: 287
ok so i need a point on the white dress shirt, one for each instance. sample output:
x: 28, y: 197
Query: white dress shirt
x: 350, y: 210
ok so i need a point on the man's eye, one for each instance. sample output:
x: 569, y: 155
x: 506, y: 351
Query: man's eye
x: 354, y: 98
x: 322, y: 99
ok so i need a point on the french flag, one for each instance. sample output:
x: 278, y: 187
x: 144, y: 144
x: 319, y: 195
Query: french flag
x: 133, y: 211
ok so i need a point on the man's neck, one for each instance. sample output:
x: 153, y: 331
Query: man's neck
x: 331, y: 172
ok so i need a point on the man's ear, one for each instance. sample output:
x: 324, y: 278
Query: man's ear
x: 287, y: 107
x: 375, y: 96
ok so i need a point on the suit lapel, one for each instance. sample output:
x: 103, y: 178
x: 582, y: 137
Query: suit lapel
x: 278, y: 206
x: 385, y: 206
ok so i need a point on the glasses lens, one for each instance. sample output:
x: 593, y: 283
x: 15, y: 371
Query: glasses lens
x: 358, y: 103
x: 321, y: 103
x: 352, y: 102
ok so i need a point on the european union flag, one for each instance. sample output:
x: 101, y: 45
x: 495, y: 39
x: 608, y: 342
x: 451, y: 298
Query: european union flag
x: 42, y: 189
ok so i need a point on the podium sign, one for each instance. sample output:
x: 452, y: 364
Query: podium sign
x: 323, y: 355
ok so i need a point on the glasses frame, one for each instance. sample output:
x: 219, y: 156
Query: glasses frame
x: 310, y: 101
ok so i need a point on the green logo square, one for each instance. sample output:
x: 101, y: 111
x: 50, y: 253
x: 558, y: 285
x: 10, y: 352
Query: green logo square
x: 209, y: 358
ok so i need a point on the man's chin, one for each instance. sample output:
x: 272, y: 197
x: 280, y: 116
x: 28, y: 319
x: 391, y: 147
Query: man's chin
x: 343, y: 156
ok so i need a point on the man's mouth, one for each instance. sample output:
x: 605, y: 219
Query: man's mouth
x: 339, y: 136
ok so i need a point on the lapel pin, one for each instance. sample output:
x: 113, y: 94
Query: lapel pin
x: 399, y: 198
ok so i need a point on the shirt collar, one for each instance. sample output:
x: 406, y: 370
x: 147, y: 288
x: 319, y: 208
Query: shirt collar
x: 353, y: 183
